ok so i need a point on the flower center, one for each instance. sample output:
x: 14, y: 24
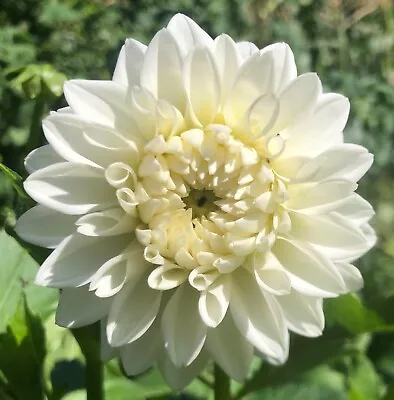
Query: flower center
x: 202, y: 202
x: 206, y: 201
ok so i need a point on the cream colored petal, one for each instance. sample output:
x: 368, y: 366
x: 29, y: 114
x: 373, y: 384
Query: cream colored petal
x: 133, y: 311
x: 103, y: 102
x: 128, y: 66
x: 213, y: 302
x: 77, y: 140
x: 140, y: 355
x: 351, y: 275
x: 110, y: 222
x: 310, y: 272
x: 202, y: 84
x: 70, y: 188
x: 40, y: 158
x: 76, y: 259
x: 246, y: 50
x: 183, y: 330
x: 180, y: 377
x: 253, y: 81
x: 228, y: 62
x: 79, y: 307
x: 346, y: 161
x: 161, y: 71
x: 110, y: 277
x: 297, y: 100
x: 258, y: 317
x: 167, y: 276
x: 285, y: 69
x: 229, y: 349
x: 330, y: 230
x: 357, y: 209
x: 45, y: 227
x: 304, y: 314
x: 322, y: 129
x: 188, y: 34
x: 319, y: 197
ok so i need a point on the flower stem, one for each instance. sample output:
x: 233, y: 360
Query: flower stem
x: 94, y: 379
x: 222, y: 384
x: 88, y: 339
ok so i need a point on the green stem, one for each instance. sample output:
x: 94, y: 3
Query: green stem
x: 222, y: 384
x: 35, y: 126
x: 88, y: 339
x: 94, y: 379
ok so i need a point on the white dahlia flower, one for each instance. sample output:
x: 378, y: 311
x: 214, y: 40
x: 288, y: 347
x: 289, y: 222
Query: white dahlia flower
x: 200, y: 204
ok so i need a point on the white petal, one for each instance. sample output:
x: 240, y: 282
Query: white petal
x: 161, y: 71
x: 77, y: 140
x: 202, y: 84
x: 228, y: 62
x: 304, y: 314
x: 253, y: 81
x: 128, y: 66
x: 133, y: 311
x: 187, y: 33
x: 106, y: 351
x: 41, y: 158
x: 103, y: 102
x: 183, y: 330
x: 77, y: 258
x: 70, y: 188
x: 179, y: 377
x: 246, y: 50
x: 258, y: 317
x: 260, y: 117
x: 351, y: 275
x: 322, y: 129
x: 214, y: 301
x: 346, y: 161
x: 167, y: 276
x: 110, y: 277
x: 288, y: 167
x: 297, y: 100
x: 330, y: 230
x: 45, y: 227
x: 110, y: 222
x: 309, y: 271
x: 140, y: 355
x: 79, y: 307
x: 285, y: 69
x: 319, y: 197
x: 357, y: 209
x: 269, y: 274
x: 370, y: 235
x: 230, y: 349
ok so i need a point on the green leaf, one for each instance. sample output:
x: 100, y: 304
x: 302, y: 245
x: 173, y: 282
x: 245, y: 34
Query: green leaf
x: 36, y: 81
x: 305, y: 354
x: 22, y: 350
x: 115, y: 388
x: 151, y: 383
x: 14, y: 178
x: 349, y: 312
x: 298, y: 392
x: 364, y: 382
x: 17, y: 272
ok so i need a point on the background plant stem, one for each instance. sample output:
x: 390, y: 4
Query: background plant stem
x: 35, y: 126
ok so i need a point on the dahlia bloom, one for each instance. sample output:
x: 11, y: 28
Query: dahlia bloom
x: 200, y: 204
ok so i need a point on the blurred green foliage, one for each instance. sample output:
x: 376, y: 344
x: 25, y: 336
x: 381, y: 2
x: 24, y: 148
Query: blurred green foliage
x: 350, y: 43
